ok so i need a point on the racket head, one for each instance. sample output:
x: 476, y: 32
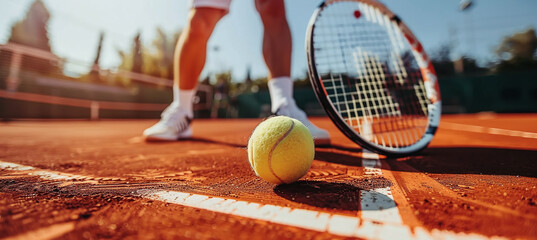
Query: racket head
x: 372, y: 76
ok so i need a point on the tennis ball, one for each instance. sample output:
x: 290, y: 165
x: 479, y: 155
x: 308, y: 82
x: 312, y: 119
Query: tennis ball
x: 281, y: 150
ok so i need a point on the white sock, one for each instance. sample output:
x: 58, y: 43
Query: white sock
x: 281, y: 92
x: 183, y: 99
x: 175, y: 89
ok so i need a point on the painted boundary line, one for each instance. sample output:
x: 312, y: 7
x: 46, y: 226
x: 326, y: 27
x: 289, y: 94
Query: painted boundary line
x: 494, y: 131
x: 386, y: 224
x: 378, y: 203
x: 45, y: 233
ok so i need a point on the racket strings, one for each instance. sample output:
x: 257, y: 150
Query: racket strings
x: 370, y: 75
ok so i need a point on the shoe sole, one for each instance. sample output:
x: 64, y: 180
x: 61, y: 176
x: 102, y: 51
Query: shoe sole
x: 160, y: 139
x: 156, y: 139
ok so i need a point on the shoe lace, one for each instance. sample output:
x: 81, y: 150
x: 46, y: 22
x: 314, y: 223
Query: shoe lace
x: 176, y: 118
x: 293, y: 112
x: 298, y: 114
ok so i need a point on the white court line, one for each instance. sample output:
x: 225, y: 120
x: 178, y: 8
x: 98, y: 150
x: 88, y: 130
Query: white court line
x: 494, y: 131
x: 336, y: 224
x: 384, y: 226
x: 49, y: 175
x: 377, y: 204
x: 45, y: 233
x: 15, y: 167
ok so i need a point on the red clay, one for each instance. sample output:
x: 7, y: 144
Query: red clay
x: 464, y: 182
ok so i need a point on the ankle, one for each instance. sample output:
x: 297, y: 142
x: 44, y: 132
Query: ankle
x: 182, y: 100
x: 281, y: 92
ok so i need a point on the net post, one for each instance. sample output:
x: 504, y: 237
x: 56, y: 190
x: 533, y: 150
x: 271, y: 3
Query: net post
x: 12, y: 81
x: 94, y: 110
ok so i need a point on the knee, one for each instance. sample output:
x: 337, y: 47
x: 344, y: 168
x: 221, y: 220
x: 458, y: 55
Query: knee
x: 202, y: 22
x: 271, y: 10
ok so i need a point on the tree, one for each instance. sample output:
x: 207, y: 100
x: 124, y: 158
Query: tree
x: 137, y: 59
x: 94, y: 74
x: 518, y: 51
x: 154, y: 60
x: 444, y: 66
x: 162, y: 57
x: 469, y: 65
x: 32, y: 30
x: 441, y: 59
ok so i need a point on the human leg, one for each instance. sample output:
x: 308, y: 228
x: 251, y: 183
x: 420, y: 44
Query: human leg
x: 191, y: 49
x: 277, y: 42
x: 189, y: 60
x: 277, y: 48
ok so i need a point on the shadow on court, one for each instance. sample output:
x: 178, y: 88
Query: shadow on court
x: 201, y: 140
x: 489, y: 161
x: 331, y: 195
x: 459, y: 160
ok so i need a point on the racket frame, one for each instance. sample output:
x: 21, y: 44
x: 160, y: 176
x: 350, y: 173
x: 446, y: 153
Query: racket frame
x: 426, y: 68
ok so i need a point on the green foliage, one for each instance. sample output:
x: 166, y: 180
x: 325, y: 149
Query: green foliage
x: 518, y: 52
x: 154, y: 60
x: 470, y: 66
x: 444, y: 66
x: 137, y: 59
x: 260, y: 83
x: 441, y: 59
x: 303, y: 82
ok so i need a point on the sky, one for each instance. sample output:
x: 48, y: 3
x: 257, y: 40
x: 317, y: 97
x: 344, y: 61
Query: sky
x: 75, y: 25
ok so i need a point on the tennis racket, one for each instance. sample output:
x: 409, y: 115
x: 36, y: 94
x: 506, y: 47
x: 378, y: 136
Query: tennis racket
x: 372, y: 76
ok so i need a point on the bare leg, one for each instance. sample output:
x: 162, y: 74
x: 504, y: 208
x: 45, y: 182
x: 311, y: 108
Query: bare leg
x: 191, y: 49
x: 277, y: 42
x: 189, y: 61
x: 277, y: 46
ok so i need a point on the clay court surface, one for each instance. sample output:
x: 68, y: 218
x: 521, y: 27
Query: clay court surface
x: 71, y: 179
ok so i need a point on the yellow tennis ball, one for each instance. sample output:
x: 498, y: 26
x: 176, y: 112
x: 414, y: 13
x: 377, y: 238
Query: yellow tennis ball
x: 281, y: 150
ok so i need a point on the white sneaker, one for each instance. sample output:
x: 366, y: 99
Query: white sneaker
x: 173, y: 125
x: 320, y: 136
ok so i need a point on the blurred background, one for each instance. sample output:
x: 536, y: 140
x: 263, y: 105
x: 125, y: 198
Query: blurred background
x: 113, y: 58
